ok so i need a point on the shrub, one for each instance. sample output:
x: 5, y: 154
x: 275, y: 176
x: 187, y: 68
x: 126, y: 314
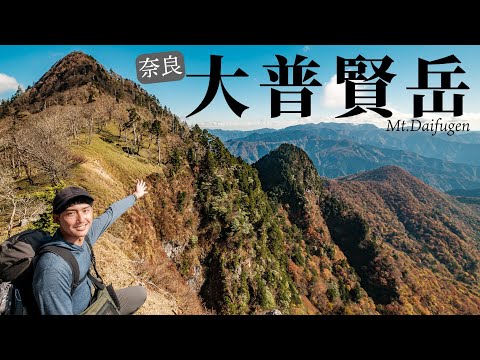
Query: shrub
x: 181, y: 196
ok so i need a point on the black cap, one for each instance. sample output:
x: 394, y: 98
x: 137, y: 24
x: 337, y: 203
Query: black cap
x: 65, y: 196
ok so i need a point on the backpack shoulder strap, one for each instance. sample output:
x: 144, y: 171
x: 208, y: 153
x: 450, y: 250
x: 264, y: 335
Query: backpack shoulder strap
x: 92, y: 258
x: 66, y: 255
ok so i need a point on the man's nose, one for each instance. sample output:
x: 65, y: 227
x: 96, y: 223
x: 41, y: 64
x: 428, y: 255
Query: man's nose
x: 80, y: 217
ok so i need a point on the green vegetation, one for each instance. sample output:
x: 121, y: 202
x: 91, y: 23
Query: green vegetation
x: 230, y: 199
x: 45, y: 221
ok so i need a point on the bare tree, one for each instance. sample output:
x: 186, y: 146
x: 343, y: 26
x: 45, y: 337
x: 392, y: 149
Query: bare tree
x: 156, y: 130
x: 14, y: 157
x: 143, y: 130
x: 43, y: 145
x: 89, y: 113
x: 104, y: 108
x: 120, y: 116
x: 18, y: 207
x: 134, y: 119
x: 74, y: 118
x: 29, y: 208
x: 110, y: 107
x: 8, y: 194
x: 22, y: 158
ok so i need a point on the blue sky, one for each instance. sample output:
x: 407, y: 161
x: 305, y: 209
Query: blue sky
x: 26, y: 64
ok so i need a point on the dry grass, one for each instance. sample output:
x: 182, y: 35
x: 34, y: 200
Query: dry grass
x: 129, y: 253
x: 116, y: 268
x: 163, y: 273
x: 108, y: 172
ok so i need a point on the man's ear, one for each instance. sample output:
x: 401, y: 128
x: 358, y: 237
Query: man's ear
x: 56, y: 218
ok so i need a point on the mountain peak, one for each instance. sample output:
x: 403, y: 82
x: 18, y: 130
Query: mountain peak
x: 75, y: 79
x: 397, y: 182
x: 382, y: 174
x: 289, y: 148
x: 76, y: 60
x: 288, y: 173
x: 77, y: 56
x: 288, y: 158
x: 73, y: 70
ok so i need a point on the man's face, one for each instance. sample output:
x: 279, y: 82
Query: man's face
x: 75, y: 221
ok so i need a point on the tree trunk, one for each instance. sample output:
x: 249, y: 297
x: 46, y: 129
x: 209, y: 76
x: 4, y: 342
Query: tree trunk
x: 13, y: 160
x: 55, y: 179
x: 150, y: 136
x: 158, y: 146
x: 28, y: 172
x: 135, y: 134
x: 90, y: 130
x: 10, y: 224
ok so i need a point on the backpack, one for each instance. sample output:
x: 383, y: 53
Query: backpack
x: 18, y: 255
x: 16, y: 270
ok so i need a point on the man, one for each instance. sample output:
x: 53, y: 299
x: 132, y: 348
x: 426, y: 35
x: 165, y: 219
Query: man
x: 52, y: 280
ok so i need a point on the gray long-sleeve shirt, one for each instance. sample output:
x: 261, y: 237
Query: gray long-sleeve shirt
x: 53, y: 276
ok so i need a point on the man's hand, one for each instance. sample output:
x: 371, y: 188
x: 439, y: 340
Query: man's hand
x: 140, y: 189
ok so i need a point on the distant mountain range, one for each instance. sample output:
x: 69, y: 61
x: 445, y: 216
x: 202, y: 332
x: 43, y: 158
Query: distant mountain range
x: 466, y: 196
x: 343, y: 149
x: 225, y: 135
x: 461, y: 147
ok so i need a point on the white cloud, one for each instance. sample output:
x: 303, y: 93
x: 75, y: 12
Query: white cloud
x: 334, y: 94
x: 7, y: 83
